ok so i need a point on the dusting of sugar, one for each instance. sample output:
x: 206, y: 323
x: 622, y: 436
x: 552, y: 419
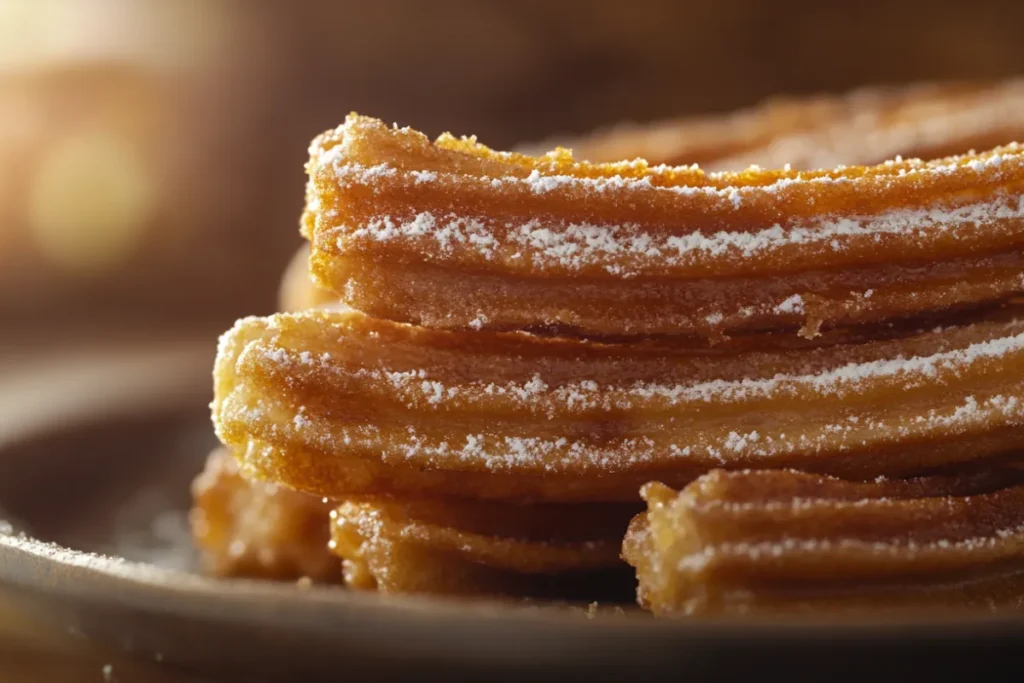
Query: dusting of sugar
x: 347, y: 172
x: 300, y: 421
x: 714, y: 318
x: 352, y: 173
x: 434, y: 391
x: 907, y: 550
x: 794, y: 304
x: 503, y: 451
x: 588, y: 394
x: 735, y: 197
x: 626, y: 250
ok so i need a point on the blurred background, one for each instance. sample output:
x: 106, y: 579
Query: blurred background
x: 151, y: 152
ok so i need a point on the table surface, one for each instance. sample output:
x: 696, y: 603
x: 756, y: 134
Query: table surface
x: 32, y: 653
x: 35, y: 653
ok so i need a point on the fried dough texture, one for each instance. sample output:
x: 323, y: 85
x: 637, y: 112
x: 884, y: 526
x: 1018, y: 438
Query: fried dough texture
x: 450, y: 234
x: 785, y: 541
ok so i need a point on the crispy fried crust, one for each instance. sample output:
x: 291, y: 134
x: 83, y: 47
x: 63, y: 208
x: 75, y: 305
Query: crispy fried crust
x: 255, y: 529
x: 866, y: 126
x: 537, y: 337
x: 786, y: 541
x: 471, y: 547
x: 336, y: 404
x: 452, y: 234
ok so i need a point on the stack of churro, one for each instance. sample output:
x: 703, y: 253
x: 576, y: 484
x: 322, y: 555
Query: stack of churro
x: 487, y: 359
x: 866, y: 126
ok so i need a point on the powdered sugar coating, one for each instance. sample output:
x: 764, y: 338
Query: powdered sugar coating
x: 842, y: 417
x: 552, y: 214
x: 413, y: 388
x: 626, y: 250
x: 631, y: 249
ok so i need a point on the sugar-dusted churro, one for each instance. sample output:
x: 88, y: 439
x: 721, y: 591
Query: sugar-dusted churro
x: 866, y: 126
x: 734, y: 542
x: 451, y: 234
x: 337, y: 403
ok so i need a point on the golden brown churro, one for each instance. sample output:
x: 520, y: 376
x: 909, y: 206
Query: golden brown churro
x: 257, y: 529
x: 706, y: 139
x: 787, y: 541
x: 497, y: 352
x: 247, y: 528
x: 453, y: 235
x: 337, y: 403
x: 866, y: 126
x: 467, y: 547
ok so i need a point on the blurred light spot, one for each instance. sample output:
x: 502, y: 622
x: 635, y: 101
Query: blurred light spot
x: 157, y: 33
x: 90, y: 202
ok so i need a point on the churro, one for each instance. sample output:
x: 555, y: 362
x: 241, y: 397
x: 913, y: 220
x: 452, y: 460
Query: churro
x: 783, y: 541
x: 257, y: 529
x: 484, y: 356
x: 471, y: 547
x: 453, y: 235
x: 866, y: 126
x: 336, y: 403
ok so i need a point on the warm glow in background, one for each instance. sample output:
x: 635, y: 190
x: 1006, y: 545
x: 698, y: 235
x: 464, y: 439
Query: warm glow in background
x: 151, y: 151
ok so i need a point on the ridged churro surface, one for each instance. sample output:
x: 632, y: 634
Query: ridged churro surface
x: 733, y: 542
x: 471, y: 547
x: 865, y: 126
x: 337, y: 403
x: 815, y: 378
x: 452, y: 234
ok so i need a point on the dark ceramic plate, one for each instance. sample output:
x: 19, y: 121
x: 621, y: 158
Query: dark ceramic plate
x: 95, y: 460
